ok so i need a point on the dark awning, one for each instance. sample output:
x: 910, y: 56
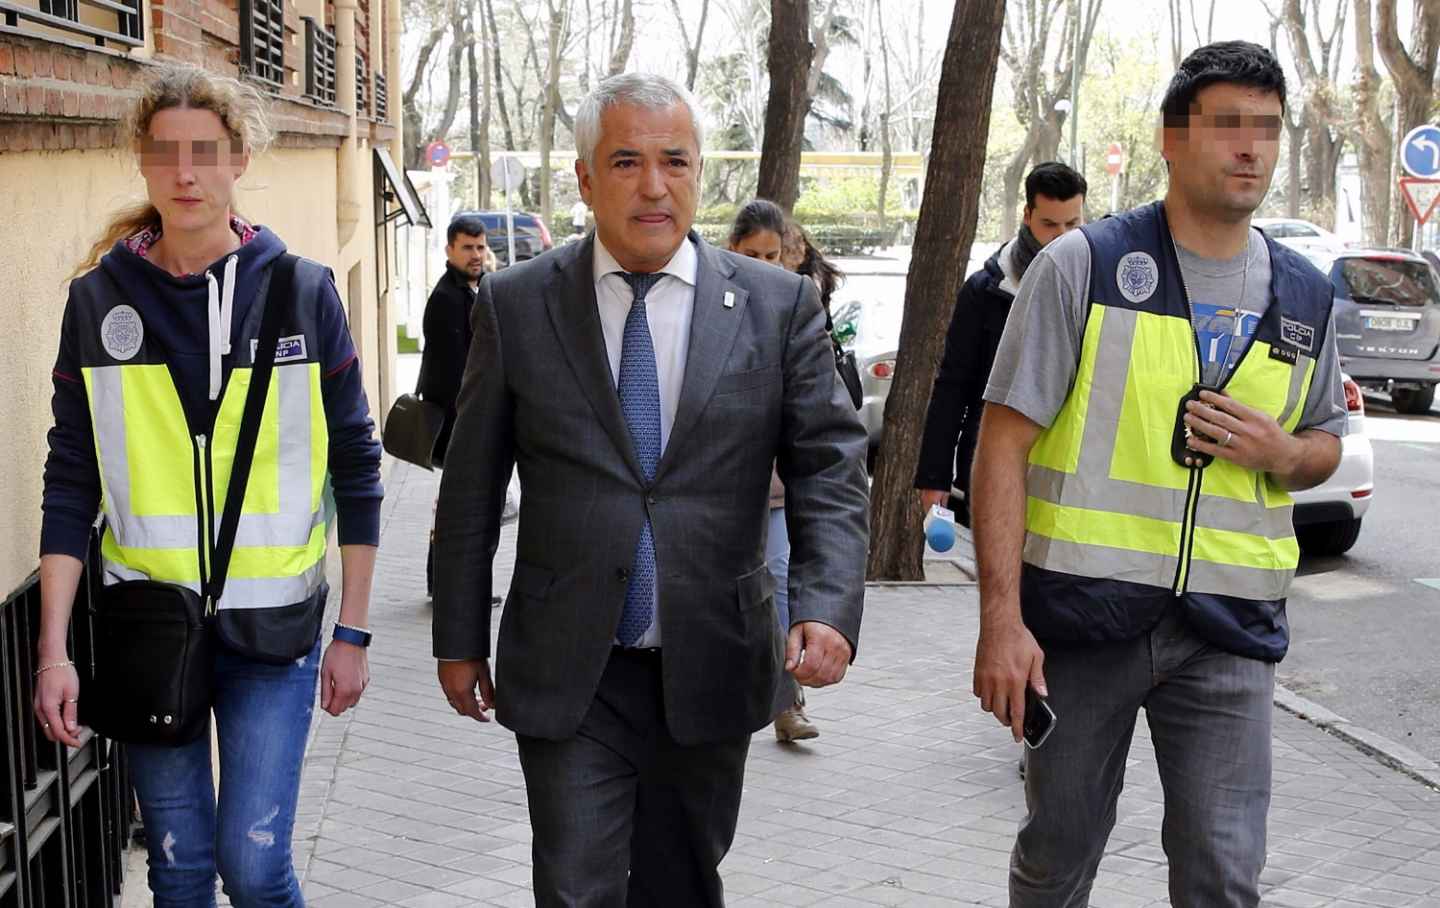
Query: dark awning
x: 398, y: 189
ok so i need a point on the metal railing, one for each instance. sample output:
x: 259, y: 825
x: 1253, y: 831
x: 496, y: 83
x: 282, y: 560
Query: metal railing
x: 361, y: 87
x: 319, y: 63
x: 129, y: 30
x: 65, y: 815
x: 382, y: 99
x: 262, y: 40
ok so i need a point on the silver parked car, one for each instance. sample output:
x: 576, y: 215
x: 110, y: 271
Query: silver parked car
x: 871, y: 329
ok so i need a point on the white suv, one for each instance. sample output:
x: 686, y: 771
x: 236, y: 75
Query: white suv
x: 1327, y: 517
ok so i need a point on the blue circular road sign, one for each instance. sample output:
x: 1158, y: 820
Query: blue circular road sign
x: 1420, y: 153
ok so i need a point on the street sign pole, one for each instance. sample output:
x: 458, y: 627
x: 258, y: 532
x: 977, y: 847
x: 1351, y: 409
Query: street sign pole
x: 1114, y: 163
x: 509, y: 173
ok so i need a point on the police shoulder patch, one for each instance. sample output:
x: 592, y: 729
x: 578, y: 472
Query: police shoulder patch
x: 122, y: 332
x: 1297, y: 333
x: 1137, y: 276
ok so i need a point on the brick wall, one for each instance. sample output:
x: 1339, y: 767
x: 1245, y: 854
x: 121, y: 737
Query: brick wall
x: 56, y: 97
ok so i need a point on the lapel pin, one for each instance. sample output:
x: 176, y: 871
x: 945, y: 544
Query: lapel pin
x: 729, y: 299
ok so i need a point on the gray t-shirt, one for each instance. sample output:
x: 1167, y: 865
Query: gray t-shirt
x: 1039, y: 352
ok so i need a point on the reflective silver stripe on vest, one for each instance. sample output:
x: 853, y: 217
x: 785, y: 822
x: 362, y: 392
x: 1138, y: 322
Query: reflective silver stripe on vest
x: 1232, y: 580
x: 115, y: 572
x: 1087, y: 560
x: 1298, y: 374
x: 241, y: 593
x: 107, y: 415
x: 245, y: 593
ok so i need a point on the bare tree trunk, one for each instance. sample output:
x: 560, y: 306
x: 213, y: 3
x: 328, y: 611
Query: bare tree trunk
x: 453, y: 68
x: 1025, y: 51
x: 558, y: 10
x: 1412, y: 72
x: 789, y: 57
x: 1177, y: 34
x: 943, y: 238
x: 621, y: 58
x: 473, y: 72
x: 1295, y: 137
x: 585, y: 69
x: 483, y: 152
x: 500, y: 92
x: 692, y: 48
x: 887, y: 157
x: 1372, y: 136
x: 495, y: 60
x: 416, y: 137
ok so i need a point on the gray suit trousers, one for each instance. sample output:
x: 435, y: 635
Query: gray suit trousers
x: 622, y: 814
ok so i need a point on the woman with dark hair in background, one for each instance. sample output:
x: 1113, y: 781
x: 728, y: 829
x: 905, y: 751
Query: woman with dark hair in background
x: 762, y: 231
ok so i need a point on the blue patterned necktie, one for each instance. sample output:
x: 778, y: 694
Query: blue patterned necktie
x: 639, y: 386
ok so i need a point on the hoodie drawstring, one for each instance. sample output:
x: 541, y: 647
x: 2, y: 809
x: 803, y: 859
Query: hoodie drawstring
x: 222, y: 307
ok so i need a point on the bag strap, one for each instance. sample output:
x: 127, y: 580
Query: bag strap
x: 278, y: 302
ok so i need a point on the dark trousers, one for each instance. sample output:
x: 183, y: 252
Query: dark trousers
x: 1209, y: 713
x: 623, y: 815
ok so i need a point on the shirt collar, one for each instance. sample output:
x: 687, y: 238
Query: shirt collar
x: 684, y: 264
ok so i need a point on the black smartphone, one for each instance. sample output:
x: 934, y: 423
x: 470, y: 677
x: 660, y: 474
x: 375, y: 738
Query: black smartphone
x: 1039, y: 719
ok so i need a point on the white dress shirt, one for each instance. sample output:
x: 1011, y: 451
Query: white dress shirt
x: 668, y: 308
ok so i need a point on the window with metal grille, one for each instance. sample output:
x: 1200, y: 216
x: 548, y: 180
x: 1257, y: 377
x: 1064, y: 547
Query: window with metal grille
x: 361, y: 85
x: 319, y: 63
x: 382, y: 100
x: 128, y: 29
x: 262, y: 40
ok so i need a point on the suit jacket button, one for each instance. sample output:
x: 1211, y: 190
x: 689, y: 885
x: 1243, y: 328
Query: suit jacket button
x: 622, y: 574
x: 653, y: 500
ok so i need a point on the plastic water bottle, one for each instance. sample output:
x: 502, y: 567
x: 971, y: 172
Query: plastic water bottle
x: 940, y: 529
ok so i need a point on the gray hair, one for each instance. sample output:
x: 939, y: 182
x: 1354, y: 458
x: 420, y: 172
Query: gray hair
x: 643, y: 90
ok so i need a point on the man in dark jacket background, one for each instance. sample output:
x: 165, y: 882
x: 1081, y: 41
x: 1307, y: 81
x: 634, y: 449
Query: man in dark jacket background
x: 447, y: 331
x: 447, y: 318
x: 1054, y: 205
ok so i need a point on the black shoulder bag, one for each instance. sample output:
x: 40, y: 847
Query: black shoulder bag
x: 153, y: 677
x: 845, y: 364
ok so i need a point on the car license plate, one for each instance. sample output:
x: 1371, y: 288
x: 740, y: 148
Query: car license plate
x: 1389, y: 323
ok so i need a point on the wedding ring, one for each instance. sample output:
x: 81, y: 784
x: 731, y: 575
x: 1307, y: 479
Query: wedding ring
x: 72, y: 701
x: 1228, y: 435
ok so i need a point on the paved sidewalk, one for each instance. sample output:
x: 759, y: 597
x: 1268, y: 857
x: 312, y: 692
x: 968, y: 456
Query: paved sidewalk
x: 909, y: 797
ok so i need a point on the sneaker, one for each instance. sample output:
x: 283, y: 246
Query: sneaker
x: 794, y: 725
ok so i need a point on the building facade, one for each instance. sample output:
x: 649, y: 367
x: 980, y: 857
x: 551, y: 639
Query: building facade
x: 69, y: 70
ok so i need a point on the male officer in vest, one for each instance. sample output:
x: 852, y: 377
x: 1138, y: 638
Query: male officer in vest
x: 1135, y: 545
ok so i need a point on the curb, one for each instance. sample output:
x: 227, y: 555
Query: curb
x: 1388, y: 752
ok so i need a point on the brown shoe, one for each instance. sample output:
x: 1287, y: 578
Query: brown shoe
x: 794, y: 725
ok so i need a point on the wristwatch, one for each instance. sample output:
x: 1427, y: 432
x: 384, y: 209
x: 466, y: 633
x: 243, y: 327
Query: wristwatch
x: 353, y: 635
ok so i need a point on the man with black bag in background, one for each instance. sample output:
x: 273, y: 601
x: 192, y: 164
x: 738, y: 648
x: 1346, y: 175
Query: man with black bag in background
x: 447, y: 333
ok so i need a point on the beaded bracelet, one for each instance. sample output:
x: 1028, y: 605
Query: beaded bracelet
x: 45, y: 668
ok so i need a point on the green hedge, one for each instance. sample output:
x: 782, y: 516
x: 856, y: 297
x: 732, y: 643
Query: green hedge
x: 833, y: 239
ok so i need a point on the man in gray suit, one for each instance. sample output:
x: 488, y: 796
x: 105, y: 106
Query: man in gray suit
x: 643, y: 383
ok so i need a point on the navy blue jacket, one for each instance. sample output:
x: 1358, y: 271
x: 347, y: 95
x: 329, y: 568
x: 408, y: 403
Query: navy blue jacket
x: 176, y: 310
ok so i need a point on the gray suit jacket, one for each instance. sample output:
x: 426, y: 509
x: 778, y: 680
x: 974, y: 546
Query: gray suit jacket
x: 760, y: 388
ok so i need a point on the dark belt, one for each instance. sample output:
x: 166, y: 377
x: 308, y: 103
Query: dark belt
x: 647, y: 653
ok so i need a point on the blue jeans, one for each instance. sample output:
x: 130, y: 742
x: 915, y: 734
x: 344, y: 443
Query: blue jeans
x: 262, y: 719
x: 777, y: 554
